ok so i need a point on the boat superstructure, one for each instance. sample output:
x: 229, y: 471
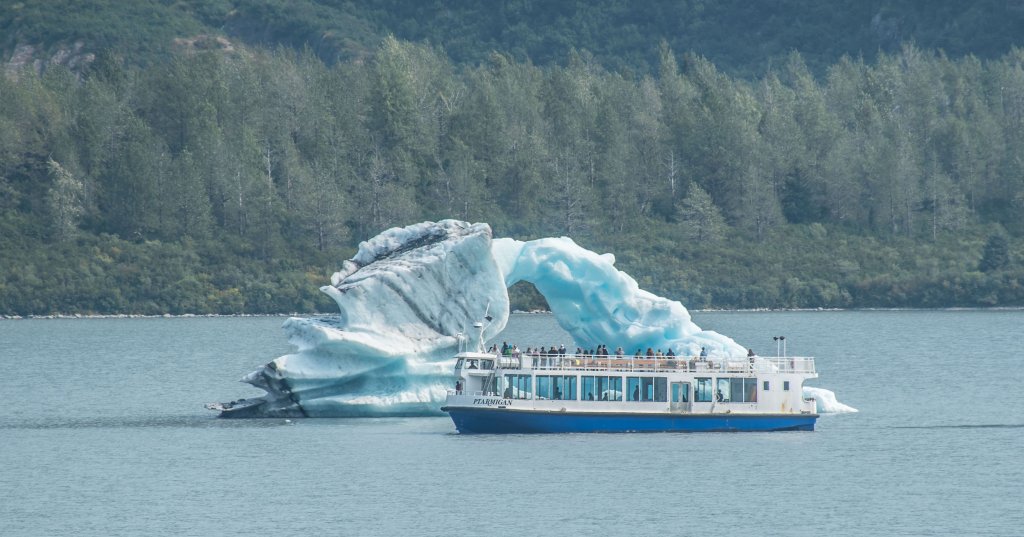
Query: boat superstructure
x: 544, y: 393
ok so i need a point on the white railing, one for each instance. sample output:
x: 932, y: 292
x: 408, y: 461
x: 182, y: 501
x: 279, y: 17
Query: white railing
x: 654, y: 364
x: 793, y: 364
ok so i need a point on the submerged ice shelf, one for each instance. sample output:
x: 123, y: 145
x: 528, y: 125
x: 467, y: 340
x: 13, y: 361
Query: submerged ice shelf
x: 410, y: 294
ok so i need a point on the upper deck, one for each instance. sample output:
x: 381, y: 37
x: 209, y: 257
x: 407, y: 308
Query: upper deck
x: 633, y: 364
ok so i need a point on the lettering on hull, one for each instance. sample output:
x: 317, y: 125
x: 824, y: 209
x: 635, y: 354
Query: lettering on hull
x: 492, y: 401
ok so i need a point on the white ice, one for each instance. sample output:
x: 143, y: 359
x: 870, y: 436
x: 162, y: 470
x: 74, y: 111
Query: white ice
x: 597, y: 303
x: 826, y: 401
x: 410, y: 294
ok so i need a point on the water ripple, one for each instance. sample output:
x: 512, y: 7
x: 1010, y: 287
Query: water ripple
x: 964, y: 426
x: 128, y: 422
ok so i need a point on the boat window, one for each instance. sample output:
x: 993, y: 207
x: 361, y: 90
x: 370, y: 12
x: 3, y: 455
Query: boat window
x: 486, y: 364
x: 633, y: 388
x: 660, y: 389
x: 736, y: 390
x: 566, y: 387
x: 558, y: 387
x: 750, y: 390
x: 722, y: 392
x: 458, y: 365
x: 785, y: 385
x: 601, y: 388
x: 765, y: 388
x: 587, y: 389
x: 518, y: 387
x: 702, y: 392
x: 680, y: 394
x: 647, y: 389
x: 543, y: 387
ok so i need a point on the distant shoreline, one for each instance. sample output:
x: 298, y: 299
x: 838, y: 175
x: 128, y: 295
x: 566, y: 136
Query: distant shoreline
x: 517, y: 312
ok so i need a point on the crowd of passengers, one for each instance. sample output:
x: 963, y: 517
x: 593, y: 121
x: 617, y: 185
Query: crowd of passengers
x: 601, y: 351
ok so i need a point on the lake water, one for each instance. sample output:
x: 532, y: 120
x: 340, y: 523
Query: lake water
x: 103, y: 433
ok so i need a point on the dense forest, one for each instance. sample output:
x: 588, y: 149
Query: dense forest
x: 236, y: 179
x: 742, y: 38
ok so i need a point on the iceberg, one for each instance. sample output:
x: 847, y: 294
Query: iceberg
x: 826, y: 401
x: 404, y: 301
x: 409, y: 299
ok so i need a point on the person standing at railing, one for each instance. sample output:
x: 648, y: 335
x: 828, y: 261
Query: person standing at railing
x: 703, y: 354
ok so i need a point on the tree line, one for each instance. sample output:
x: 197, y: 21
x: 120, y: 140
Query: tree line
x: 228, y: 181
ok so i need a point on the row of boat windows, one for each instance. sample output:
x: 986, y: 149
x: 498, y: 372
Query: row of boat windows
x: 640, y: 389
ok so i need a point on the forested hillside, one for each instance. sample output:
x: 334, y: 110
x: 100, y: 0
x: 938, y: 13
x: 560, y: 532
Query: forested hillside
x: 741, y: 37
x: 237, y: 179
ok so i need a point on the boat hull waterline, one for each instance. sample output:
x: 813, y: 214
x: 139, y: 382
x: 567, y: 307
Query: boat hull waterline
x: 504, y: 421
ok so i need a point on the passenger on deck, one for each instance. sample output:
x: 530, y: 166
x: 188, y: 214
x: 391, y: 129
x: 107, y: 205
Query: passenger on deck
x: 650, y: 351
x: 658, y: 354
x: 703, y: 354
x: 750, y: 353
x: 561, y: 350
x: 619, y: 352
x: 590, y: 396
x: 636, y: 393
x: 638, y: 354
x: 671, y: 353
x: 504, y: 348
x: 508, y: 393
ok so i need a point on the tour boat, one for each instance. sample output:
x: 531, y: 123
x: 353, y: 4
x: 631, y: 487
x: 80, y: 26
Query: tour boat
x: 569, y: 393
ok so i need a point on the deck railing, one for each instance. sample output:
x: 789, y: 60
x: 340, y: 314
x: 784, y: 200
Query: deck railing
x: 575, y: 362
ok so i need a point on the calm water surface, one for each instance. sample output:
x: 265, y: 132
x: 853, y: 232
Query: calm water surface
x: 103, y: 433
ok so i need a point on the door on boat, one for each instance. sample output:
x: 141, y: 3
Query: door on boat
x: 680, y: 397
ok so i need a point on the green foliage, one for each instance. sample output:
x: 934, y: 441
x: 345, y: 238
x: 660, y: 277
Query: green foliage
x: 237, y: 181
x: 743, y: 38
x: 996, y: 254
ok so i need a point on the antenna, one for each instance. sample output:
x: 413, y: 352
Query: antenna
x: 780, y: 343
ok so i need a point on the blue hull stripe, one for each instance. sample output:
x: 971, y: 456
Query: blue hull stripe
x: 493, y: 421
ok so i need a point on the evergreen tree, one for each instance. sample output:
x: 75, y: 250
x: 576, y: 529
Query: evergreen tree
x: 64, y: 201
x: 699, y: 218
x: 996, y: 254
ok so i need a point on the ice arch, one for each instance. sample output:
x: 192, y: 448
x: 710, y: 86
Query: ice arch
x: 597, y: 303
